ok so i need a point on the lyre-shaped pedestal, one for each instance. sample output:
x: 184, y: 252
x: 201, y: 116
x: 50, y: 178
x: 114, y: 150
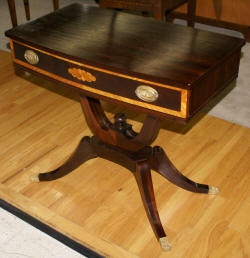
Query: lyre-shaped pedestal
x: 118, y: 142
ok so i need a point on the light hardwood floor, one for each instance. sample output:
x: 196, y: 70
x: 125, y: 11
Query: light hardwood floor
x: 99, y: 203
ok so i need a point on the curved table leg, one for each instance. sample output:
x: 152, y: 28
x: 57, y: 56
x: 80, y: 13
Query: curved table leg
x: 144, y: 181
x: 162, y: 165
x: 83, y: 152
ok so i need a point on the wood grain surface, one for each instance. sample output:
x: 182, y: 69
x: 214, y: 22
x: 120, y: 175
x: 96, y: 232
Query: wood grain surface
x: 122, y: 50
x: 129, y: 44
x: 99, y: 204
x: 117, y: 87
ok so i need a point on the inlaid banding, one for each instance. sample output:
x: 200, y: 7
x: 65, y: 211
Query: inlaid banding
x: 120, y: 87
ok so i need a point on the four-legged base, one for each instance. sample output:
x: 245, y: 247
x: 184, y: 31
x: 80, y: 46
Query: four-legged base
x: 119, y: 143
x: 140, y: 164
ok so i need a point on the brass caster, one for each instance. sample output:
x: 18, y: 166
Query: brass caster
x: 34, y: 178
x: 165, y: 245
x: 213, y: 190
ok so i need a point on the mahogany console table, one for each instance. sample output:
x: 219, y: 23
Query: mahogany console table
x: 164, y: 70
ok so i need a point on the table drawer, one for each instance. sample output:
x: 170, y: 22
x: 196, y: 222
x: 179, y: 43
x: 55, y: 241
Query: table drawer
x: 123, y: 88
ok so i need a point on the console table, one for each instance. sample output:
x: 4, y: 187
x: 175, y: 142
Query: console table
x: 164, y: 70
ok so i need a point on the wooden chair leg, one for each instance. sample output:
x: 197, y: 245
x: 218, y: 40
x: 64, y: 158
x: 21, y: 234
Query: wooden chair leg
x: 83, y: 152
x: 159, y: 12
x: 162, y: 165
x: 27, y: 9
x: 56, y: 4
x: 144, y: 181
x: 191, y: 10
x: 12, y: 9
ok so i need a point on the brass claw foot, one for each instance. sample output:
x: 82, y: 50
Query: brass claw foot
x: 165, y: 245
x: 213, y: 190
x: 34, y: 178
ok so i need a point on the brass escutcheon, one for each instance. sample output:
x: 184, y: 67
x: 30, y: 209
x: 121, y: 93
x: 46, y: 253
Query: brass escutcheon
x: 146, y: 93
x: 31, y: 57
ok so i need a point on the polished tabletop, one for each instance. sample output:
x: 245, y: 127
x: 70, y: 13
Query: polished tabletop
x: 130, y: 44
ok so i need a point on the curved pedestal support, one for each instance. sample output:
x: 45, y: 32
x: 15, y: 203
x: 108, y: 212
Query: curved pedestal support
x: 120, y: 144
x: 114, y: 134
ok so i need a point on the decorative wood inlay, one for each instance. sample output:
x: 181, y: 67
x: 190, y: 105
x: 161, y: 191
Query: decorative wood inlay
x: 82, y: 75
x: 100, y: 69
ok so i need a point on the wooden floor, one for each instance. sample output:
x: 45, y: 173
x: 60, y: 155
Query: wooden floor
x: 99, y: 203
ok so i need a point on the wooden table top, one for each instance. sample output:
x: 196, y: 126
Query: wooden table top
x: 129, y: 44
x: 158, y: 68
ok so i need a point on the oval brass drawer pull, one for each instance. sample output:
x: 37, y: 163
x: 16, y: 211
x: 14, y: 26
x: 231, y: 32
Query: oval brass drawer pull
x: 31, y: 57
x: 146, y: 93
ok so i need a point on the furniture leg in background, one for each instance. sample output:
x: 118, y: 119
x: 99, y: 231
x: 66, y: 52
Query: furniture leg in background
x: 170, y: 6
x: 159, y: 9
x: 56, y: 4
x: 12, y: 10
x: 27, y: 9
x: 229, y: 14
x: 191, y: 9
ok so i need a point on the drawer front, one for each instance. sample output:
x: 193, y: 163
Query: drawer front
x: 120, y: 87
